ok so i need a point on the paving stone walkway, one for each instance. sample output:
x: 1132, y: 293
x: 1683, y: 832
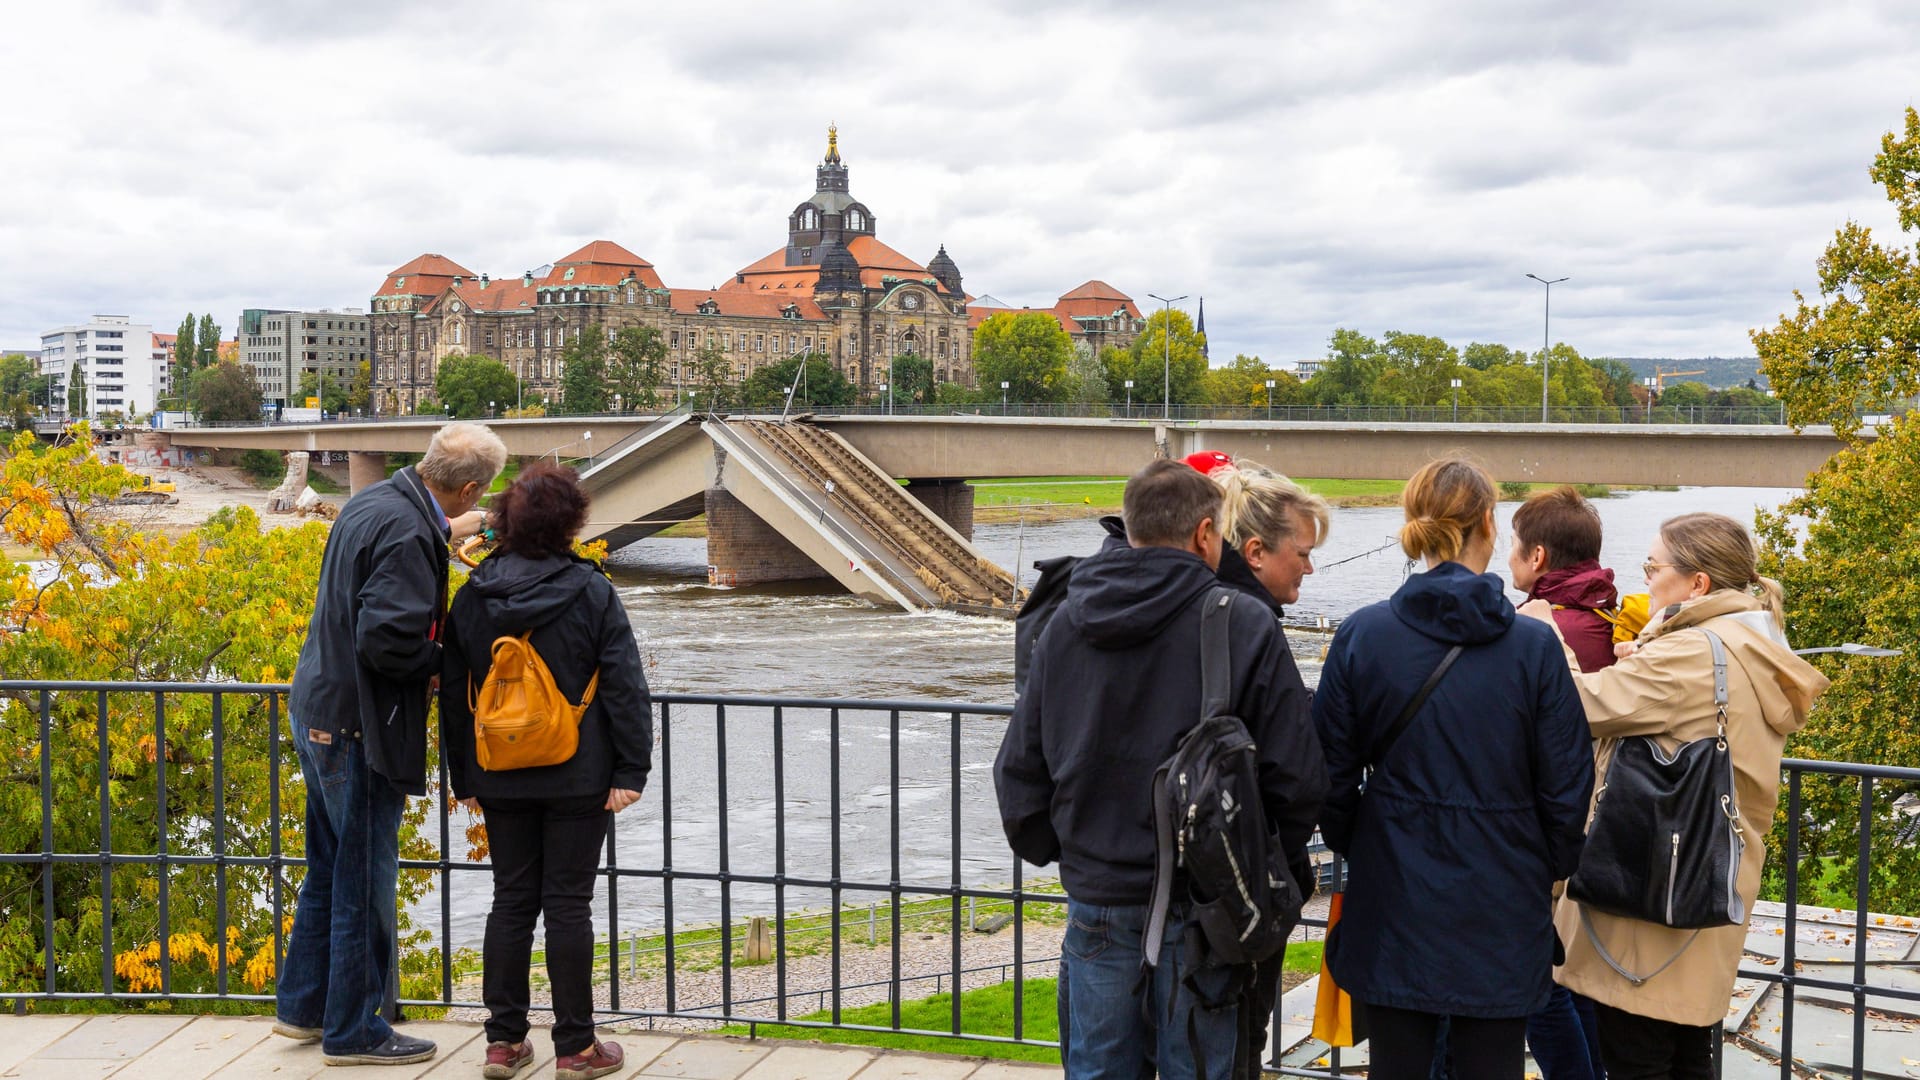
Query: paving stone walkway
x: 128, y: 1047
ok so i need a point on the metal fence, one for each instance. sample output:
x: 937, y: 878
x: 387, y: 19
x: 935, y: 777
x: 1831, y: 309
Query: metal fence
x: 196, y: 788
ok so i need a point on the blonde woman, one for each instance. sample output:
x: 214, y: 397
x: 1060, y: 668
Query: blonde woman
x: 1701, y: 573
x: 1271, y: 526
x: 1470, y: 814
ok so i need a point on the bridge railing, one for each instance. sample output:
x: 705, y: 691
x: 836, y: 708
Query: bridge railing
x: 863, y: 833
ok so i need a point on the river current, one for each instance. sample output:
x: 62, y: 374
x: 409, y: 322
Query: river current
x: 807, y: 640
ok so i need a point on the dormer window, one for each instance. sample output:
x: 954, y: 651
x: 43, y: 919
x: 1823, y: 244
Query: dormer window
x: 709, y: 307
x: 806, y: 253
x: 856, y: 220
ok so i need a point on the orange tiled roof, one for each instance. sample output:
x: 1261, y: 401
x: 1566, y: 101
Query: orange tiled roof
x: 602, y: 262
x: 426, y: 275
x: 1096, y: 290
x: 165, y: 340
x: 740, y: 302
x: 876, y: 260
x: 499, y: 296
x: 606, y: 251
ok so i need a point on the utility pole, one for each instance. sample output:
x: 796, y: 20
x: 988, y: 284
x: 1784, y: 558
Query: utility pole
x: 1166, y: 353
x: 1545, y: 339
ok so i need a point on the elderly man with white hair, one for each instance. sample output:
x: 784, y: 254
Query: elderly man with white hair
x: 358, y: 710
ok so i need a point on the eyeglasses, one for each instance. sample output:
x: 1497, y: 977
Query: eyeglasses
x: 1647, y: 568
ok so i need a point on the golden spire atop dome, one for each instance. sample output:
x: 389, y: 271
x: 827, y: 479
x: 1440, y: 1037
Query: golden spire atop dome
x: 833, y: 142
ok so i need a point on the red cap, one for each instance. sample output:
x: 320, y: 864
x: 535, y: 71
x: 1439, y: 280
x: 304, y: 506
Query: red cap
x: 1206, y: 461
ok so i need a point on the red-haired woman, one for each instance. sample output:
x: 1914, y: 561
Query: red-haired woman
x: 546, y: 825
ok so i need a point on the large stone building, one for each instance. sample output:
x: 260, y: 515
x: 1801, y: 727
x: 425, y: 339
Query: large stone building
x: 833, y: 288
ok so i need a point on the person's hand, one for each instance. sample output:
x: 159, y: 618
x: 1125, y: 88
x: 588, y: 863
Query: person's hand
x: 1537, y: 609
x: 469, y: 524
x: 471, y: 803
x: 619, y: 799
x: 1624, y: 649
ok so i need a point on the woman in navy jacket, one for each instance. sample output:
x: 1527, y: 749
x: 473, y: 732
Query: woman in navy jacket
x: 1474, y: 812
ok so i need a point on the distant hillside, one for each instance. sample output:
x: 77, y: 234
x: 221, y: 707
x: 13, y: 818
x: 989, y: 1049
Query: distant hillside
x: 1721, y: 371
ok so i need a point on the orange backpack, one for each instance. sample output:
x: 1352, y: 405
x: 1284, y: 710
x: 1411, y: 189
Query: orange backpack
x: 520, y: 718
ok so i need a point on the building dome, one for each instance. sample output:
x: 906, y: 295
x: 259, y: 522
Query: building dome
x: 945, y: 271
x: 838, y: 269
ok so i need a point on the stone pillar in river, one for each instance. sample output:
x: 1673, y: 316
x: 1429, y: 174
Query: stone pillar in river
x: 744, y: 550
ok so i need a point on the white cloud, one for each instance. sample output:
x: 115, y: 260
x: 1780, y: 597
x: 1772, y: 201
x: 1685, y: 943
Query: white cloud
x: 1304, y: 167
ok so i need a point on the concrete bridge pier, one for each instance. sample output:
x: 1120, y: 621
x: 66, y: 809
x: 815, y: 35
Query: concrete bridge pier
x: 365, y: 467
x: 950, y: 500
x: 742, y: 549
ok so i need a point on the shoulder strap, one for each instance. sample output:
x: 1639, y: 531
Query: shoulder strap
x: 1719, y: 671
x: 1216, y: 660
x: 1392, y: 735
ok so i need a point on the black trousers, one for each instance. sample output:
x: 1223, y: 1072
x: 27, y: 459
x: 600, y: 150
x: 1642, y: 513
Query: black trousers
x: 1402, y: 1043
x: 544, y: 856
x: 1642, y: 1048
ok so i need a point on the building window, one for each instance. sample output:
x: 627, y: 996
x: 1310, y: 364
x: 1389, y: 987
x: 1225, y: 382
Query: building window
x: 759, y: 343
x: 673, y: 339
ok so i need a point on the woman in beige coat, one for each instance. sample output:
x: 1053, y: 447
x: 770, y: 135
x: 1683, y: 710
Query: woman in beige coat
x: 1700, y: 572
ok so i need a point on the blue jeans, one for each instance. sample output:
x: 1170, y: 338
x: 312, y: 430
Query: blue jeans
x: 337, y: 972
x: 1115, y: 1028
x: 1565, y: 1038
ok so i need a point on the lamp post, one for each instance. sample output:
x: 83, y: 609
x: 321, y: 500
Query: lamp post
x: 1129, y: 399
x: 617, y: 407
x: 489, y: 410
x: 1456, y: 400
x: 1269, y: 399
x: 1003, y: 399
x: 1545, y: 336
x: 519, y: 395
x: 1651, y: 382
x: 887, y: 389
x: 1166, y: 353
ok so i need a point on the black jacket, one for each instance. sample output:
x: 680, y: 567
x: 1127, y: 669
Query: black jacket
x: 1115, y: 684
x: 1480, y: 808
x: 578, y: 626
x: 1235, y: 573
x: 371, y: 647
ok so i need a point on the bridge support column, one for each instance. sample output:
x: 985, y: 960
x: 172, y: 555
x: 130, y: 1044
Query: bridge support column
x: 365, y: 467
x: 950, y: 500
x: 744, y: 550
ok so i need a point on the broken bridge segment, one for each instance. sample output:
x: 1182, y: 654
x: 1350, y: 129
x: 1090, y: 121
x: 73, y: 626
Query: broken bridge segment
x: 851, y: 519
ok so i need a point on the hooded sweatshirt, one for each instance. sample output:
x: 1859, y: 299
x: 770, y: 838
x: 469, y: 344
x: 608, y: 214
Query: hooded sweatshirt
x: 579, y: 626
x: 1470, y: 817
x: 1576, y: 593
x: 1115, y: 683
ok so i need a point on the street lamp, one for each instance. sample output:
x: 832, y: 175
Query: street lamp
x: 489, y: 410
x: 1166, y: 352
x: 1269, y: 399
x: 1651, y: 383
x: 1129, y: 399
x: 1003, y: 399
x: 887, y: 389
x: 1456, y: 400
x: 1545, y: 332
x: 617, y: 406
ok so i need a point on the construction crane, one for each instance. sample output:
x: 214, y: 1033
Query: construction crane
x: 1660, y: 377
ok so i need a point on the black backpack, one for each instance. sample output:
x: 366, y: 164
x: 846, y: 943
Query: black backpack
x: 1211, y: 836
x: 1049, y: 592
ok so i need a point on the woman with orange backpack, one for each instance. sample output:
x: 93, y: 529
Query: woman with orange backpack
x: 547, y: 730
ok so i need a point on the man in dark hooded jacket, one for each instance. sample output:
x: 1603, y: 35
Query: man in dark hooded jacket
x: 358, y: 710
x: 1114, y: 685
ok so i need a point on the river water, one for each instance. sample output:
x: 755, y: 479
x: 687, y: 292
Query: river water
x: 805, y: 640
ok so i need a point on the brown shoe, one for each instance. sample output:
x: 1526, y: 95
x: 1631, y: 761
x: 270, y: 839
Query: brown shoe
x: 505, y: 1059
x: 597, y: 1060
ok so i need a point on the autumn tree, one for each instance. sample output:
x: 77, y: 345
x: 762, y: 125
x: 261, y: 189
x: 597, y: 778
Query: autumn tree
x: 1026, y: 350
x: 1847, y: 550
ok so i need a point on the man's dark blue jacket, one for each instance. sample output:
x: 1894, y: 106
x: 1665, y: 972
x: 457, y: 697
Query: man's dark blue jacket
x: 1115, y: 683
x: 372, y: 647
x: 1480, y: 808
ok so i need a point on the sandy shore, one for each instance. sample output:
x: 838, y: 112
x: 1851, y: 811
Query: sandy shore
x: 202, y: 491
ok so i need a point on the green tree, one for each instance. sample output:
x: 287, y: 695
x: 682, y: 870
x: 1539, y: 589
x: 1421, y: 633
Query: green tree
x: 823, y: 385
x: 1684, y: 395
x: 22, y: 390
x: 1855, y: 350
x: 1480, y: 356
x: 1353, y: 365
x: 1242, y: 382
x: 207, y: 344
x: 333, y: 396
x: 713, y: 378
x: 1618, y: 384
x: 1419, y: 370
x: 634, y: 366
x: 911, y: 376
x: 1027, y: 350
x: 583, y: 372
x: 360, y: 386
x: 1086, y: 377
x: 77, y: 391
x: 473, y: 386
x: 225, y: 392
x: 1169, y: 350
x: 186, y: 354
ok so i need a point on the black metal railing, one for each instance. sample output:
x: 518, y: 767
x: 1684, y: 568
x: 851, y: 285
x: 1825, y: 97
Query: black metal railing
x: 759, y: 808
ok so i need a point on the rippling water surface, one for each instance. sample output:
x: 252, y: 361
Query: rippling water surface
x: 806, y: 640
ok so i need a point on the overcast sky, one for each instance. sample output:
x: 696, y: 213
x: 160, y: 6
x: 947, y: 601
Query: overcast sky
x: 1302, y: 166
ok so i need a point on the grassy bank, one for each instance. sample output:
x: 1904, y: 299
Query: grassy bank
x: 985, y: 1011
